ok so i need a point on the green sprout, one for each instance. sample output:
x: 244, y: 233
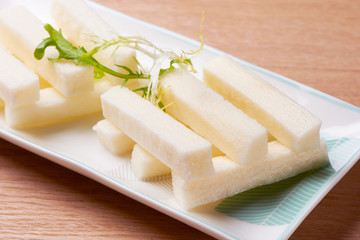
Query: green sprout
x: 80, y: 56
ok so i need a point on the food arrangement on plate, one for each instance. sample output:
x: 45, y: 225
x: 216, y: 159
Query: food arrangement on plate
x: 215, y: 138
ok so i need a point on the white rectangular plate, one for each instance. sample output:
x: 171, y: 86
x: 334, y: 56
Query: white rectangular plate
x: 273, y: 211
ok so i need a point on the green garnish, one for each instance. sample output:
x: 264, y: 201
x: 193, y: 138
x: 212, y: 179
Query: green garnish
x: 79, y: 55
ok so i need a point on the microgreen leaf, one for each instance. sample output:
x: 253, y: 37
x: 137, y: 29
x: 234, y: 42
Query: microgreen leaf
x: 65, y: 48
x: 79, y: 55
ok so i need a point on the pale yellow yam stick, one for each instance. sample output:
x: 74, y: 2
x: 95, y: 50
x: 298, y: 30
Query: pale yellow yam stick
x: 287, y: 121
x: 231, y: 178
x: 145, y: 166
x: 18, y: 84
x: 54, y: 107
x: 168, y: 140
x: 113, y: 140
x: 116, y: 142
x: 207, y: 113
x: 21, y: 32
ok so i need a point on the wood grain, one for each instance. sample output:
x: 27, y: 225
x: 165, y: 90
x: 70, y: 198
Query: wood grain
x: 312, y: 42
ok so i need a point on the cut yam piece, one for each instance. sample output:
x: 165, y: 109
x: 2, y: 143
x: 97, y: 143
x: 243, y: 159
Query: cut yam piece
x: 168, y: 140
x: 113, y: 140
x: 54, y: 107
x: 206, y: 112
x: 21, y: 32
x: 287, y: 121
x: 18, y: 84
x: 145, y: 166
x: 231, y: 178
x: 116, y: 142
x: 82, y: 25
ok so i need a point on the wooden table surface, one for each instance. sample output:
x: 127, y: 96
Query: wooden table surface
x: 313, y: 42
